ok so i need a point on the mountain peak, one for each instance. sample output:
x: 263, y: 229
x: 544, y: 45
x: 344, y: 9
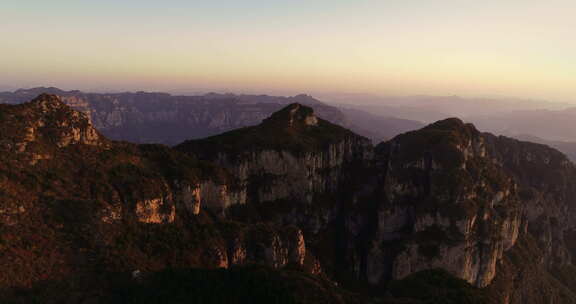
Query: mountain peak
x: 455, y: 126
x: 40, y: 90
x: 293, y: 128
x: 448, y: 123
x: 305, y: 99
x: 294, y: 115
x: 36, y: 128
x: 447, y: 143
x: 48, y: 102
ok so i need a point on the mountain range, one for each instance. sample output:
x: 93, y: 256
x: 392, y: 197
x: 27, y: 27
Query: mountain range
x: 538, y: 121
x: 294, y: 209
x: 143, y: 117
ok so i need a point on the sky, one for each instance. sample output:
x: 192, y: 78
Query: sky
x: 515, y: 48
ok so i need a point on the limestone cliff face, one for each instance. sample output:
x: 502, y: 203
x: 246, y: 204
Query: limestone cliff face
x: 294, y: 164
x: 442, y: 197
x: 266, y: 245
x: 546, y: 187
x: 453, y: 198
x: 174, y: 198
x: 66, y: 127
x: 444, y: 204
x: 283, y: 175
x: 35, y: 129
x: 438, y: 198
x: 545, y: 177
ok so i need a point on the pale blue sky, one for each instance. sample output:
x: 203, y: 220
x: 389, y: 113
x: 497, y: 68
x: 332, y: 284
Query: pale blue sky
x: 514, y: 48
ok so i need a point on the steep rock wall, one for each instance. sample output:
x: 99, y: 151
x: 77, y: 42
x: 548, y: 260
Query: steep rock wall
x: 270, y: 175
x: 444, y: 204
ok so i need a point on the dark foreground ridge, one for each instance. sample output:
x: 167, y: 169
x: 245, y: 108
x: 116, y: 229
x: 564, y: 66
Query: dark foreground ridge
x: 294, y: 210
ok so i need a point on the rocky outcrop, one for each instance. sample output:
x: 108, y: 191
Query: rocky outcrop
x: 35, y: 129
x: 444, y: 204
x: 546, y: 188
x: 283, y: 175
x: 440, y: 201
x: 306, y: 158
x: 219, y: 197
x: 65, y: 126
x: 545, y: 178
x: 269, y: 246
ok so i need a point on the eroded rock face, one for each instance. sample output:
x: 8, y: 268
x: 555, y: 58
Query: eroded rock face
x: 219, y: 197
x: 438, y: 204
x: 49, y: 124
x: 73, y: 127
x: 262, y: 244
x: 182, y: 197
x: 284, y: 175
x: 274, y: 247
x: 546, y: 187
x: 545, y: 178
x: 445, y: 204
x: 295, y: 156
x: 188, y: 196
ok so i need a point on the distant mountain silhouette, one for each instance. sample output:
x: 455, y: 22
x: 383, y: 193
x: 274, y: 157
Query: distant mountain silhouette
x: 152, y: 117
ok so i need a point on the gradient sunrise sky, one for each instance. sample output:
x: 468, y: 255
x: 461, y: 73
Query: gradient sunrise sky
x: 520, y: 48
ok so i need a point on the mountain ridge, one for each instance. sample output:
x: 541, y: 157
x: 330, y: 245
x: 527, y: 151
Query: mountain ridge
x: 143, y: 117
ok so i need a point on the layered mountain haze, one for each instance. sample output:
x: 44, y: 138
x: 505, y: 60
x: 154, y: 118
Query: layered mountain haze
x: 294, y: 209
x: 163, y: 118
x: 379, y: 127
x: 566, y: 147
x: 429, y: 108
x: 531, y: 120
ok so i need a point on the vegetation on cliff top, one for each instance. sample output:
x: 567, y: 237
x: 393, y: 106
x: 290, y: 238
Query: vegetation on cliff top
x: 294, y: 128
x: 439, y: 141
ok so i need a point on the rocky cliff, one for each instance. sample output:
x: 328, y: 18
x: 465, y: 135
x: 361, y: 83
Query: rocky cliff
x: 34, y: 130
x: 445, y: 204
x: 436, y: 199
x: 73, y: 203
x: 293, y: 155
x: 545, y: 179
